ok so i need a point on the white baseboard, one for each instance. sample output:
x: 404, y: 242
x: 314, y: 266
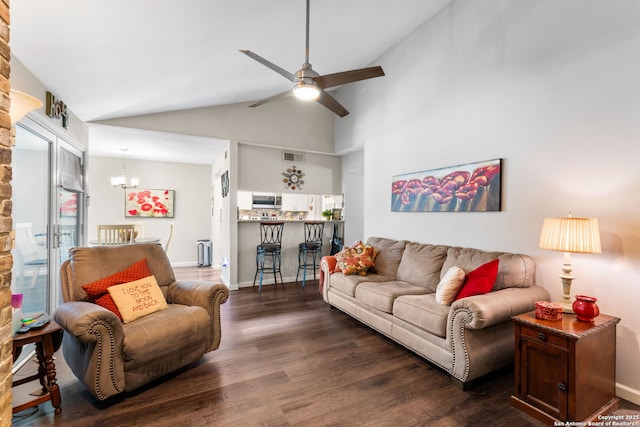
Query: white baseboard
x: 628, y: 393
x: 184, y: 264
x: 266, y: 282
x: 193, y: 264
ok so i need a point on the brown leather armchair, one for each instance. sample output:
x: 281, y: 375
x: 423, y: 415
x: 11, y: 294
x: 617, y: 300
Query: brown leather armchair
x: 110, y: 357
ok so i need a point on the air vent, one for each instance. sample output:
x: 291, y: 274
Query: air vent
x: 290, y: 157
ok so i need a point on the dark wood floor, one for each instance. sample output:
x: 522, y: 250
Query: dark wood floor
x: 286, y: 359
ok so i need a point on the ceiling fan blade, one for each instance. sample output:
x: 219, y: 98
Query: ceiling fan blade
x: 265, y: 100
x: 344, y: 77
x: 271, y: 65
x: 330, y: 102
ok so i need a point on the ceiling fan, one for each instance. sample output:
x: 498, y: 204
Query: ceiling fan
x: 309, y: 85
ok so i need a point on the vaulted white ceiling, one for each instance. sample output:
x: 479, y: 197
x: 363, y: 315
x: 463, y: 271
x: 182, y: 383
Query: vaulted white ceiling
x: 119, y: 58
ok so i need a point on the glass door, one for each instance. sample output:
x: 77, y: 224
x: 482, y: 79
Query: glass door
x: 31, y: 183
x: 47, y: 213
x: 67, y: 231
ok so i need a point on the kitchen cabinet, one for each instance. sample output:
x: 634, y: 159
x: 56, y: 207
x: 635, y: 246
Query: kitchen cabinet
x: 244, y: 200
x: 565, y: 369
x: 295, y: 202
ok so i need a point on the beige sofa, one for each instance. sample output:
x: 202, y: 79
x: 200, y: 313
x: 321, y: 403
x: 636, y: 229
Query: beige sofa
x: 110, y: 357
x: 468, y: 339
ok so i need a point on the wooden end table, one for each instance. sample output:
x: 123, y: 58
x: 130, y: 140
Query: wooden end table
x: 565, y: 370
x: 47, y: 341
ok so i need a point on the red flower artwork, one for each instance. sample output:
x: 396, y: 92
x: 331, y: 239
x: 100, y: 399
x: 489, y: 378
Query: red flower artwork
x: 149, y: 203
x: 471, y: 187
x: 68, y: 204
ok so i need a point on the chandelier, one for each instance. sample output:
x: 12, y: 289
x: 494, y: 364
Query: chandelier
x: 121, y: 181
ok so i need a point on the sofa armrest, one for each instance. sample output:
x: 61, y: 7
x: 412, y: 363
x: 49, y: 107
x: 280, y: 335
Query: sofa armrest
x: 327, y: 267
x: 480, y: 330
x: 208, y: 295
x: 93, y: 346
x: 497, y: 306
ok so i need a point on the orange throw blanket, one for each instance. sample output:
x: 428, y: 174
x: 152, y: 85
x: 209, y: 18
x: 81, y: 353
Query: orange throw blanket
x: 331, y: 262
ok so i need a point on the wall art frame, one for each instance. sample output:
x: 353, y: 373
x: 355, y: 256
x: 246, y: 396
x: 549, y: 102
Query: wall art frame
x: 470, y: 187
x: 224, y: 183
x: 68, y: 205
x: 149, y: 203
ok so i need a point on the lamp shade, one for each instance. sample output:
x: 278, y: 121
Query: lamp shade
x: 21, y: 104
x: 578, y: 235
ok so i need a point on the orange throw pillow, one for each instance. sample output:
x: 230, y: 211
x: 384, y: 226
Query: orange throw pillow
x: 356, y: 259
x: 98, y: 290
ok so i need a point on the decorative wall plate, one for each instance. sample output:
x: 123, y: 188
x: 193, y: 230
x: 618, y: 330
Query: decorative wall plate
x: 293, y: 178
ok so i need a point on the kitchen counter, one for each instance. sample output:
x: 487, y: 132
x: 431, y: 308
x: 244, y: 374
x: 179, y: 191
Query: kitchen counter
x: 292, y: 236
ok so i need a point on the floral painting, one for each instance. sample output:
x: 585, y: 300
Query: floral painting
x: 149, y: 203
x: 68, y: 203
x: 473, y: 187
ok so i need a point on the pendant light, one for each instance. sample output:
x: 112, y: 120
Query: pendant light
x: 121, y: 180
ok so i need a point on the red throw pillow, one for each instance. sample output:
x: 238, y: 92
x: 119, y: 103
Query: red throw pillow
x: 98, y: 292
x: 479, y: 281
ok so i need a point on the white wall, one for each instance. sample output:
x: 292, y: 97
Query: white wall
x: 24, y: 81
x: 261, y: 168
x: 223, y: 220
x: 285, y: 122
x: 354, y: 190
x: 553, y: 89
x: 192, y: 185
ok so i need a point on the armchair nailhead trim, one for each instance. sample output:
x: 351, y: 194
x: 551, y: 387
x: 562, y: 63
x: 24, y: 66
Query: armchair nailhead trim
x: 100, y: 340
x: 219, y: 299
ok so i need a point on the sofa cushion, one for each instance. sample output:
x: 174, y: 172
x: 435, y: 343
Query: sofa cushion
x: 389, y: 255
x: 421, y: 264
x: 423, y: 312
x: 514, y: 271
x: 347, y: 284
x: 450, y: 285
x: 479, y: 281
x: 381, y: 295
x: 184, y: 328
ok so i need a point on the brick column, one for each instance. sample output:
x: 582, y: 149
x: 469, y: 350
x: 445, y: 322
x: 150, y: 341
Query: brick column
x: 6, y: 355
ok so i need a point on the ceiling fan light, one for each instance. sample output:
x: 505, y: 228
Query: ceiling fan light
x: 306, y: 91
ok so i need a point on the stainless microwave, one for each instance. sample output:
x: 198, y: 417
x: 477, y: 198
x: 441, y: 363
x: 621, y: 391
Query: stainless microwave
x: 266, y: 201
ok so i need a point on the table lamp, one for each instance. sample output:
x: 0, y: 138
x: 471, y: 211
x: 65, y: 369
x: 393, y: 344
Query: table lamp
x: 577, y: 235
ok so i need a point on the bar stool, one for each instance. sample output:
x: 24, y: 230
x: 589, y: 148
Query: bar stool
x: 310, y: 248
x: 269, y: 248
